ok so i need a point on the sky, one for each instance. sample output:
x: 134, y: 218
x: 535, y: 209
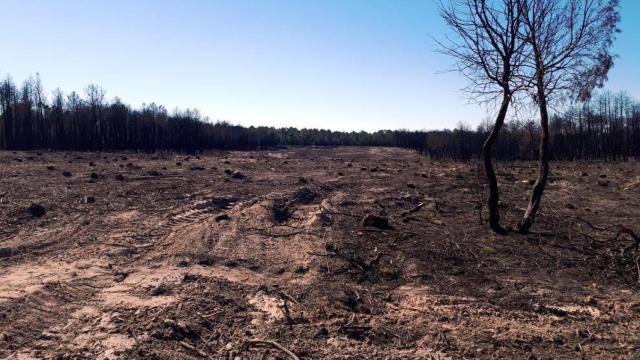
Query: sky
x: 335, y: 64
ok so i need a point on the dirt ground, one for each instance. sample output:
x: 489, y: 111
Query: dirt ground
x: 170, y: 256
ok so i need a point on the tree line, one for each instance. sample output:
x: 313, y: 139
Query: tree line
x: 29, y: 120
x: 605, y: 128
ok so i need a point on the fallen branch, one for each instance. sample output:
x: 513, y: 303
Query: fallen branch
x: 414, y: 210
x: 188, y: 346
x: 248, y: 343
x: 593, y: 227
x: 628, y: 254
x: 363, y: 265
x: 622, y: 230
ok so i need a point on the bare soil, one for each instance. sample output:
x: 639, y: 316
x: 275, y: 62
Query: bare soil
x: 170, y: 256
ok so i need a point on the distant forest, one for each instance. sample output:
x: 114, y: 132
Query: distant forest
x: 607, y: 127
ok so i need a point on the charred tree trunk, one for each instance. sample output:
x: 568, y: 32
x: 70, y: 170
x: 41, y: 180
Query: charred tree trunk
x: 494, y: 193
x: 543, y: 165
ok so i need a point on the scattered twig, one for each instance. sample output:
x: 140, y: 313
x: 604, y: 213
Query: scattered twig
x: 11, y: 355
x: 287, y: 313
x: 284, y: 295
x: 252, y: 342
x: 186, y: 345
x: 413, y: 210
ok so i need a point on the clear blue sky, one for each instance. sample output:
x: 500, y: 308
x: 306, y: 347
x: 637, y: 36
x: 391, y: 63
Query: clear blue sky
x: 339, y: 64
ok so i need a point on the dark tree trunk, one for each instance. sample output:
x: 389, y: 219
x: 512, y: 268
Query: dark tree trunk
x: 494, y: 194
x: 543, y: 165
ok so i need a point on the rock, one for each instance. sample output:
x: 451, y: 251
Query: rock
x: 160, y: 289
x: 340, y: 173
x: 321, y: 219
x: 89, y: 199
x: 189, y: 278
x: 222, y: 217
x: 197, y: 168
x: 304, y: 195
x: 92, y: 164
x: 133, y: 166
x: 67, y: 174
x: 228, y: 171
x: 46, y: 335
x: 93, y: 176
x: 36, y: 210
x: 603, y: 182
x: 183, y: 263
x: 120, y: 177
x: 154, y: 173
x: 51, y: 167
x: 376, y: 221
x: 6, y: 252
x: 302, y: 180
x: 237, y: 175
x: 583, y: 333
x: 207, y: 261
x: 322, y: 333
x: 281, y: 211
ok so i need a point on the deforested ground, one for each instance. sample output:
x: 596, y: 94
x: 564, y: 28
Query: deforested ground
x: 331, y: 253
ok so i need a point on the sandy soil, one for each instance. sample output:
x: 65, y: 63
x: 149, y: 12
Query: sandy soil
x: 172, y: 257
